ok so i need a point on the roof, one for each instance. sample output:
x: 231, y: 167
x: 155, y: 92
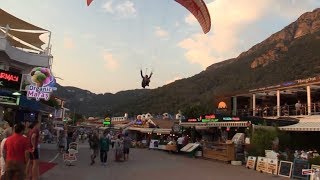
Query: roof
x: 302, y: 126
x: 200, y: 125
x: 306, y: 123
x: 16, y: 23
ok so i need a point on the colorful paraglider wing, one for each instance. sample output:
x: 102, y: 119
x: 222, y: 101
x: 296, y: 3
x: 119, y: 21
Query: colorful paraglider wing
x: 200, y: 11
x: 89, y: 2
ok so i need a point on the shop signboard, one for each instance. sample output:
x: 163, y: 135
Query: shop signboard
x: 107, y: 121
x: 10, y: 80
x: 8, y: 100
x: 272, y: 166
x: 298, y: 166
x: 262, y: 164
x: 288, y: 84
x: 285, y: 169
x: 251, y: 162
x: 41, y: 84
x: 209, y: 118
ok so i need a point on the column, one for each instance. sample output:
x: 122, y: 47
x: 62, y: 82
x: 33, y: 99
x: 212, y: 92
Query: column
x: 234, y: 107
x: 278, y: 104
x: 309, y: 100
x: 253, y: 104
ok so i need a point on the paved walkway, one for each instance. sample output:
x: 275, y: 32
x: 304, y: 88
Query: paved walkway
x: 149, y: 164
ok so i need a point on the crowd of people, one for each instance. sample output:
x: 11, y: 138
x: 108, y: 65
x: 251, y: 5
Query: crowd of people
x: 121, y: 144
x: 19, y: 152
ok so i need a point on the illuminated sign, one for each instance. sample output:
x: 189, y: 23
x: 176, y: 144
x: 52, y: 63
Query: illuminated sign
x: 210, y: 120
x: 42, y: 84
x: 107, y: 121
x: 10, y: 80
x: 222, y: 105
x: 231, y: 118
x: 192, y: 120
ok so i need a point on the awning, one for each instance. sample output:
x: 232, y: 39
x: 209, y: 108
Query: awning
x: 15, y: 23
x: 18, y: 44
x: 215, y: 124
x: 162, y: 131
x: 302, y: 126
x: 30, y: 38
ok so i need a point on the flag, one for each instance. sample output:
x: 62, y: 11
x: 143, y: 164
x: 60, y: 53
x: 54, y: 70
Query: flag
x: 89, y: 2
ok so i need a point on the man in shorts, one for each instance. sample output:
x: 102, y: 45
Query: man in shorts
x: 34, y: 135
x: 126, y: 146
x: 16, y: 154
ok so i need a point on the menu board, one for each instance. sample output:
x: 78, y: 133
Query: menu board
x: 272, y: 166
x: 285, y: 169
x: 262, y: 164
x: 251, y: 163
x: 298, y: 165
x: 316, y: 172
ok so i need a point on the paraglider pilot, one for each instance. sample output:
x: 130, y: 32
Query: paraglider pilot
x: 145, y: 79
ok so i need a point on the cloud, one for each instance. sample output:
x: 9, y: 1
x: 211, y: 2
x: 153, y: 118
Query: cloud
x: 173, y: 80
x: 159, y: 32
x: 108, y: 7
x: 110, y: 62
x: 68, y: 43
x: 88, y: 36
x: 124, y: 9
x: 230, y: 18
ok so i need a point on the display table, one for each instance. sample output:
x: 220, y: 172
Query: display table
x: 219, y: 151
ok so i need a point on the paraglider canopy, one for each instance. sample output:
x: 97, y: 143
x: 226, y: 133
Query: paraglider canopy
x: 199, y: 10
x: 89, y: 2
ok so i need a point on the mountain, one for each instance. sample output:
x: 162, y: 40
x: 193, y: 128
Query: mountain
x: 289, y: 54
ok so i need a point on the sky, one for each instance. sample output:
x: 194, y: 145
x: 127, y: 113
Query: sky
x: 101, y: 48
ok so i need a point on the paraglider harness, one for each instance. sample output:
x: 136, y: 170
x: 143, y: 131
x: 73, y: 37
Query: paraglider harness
x: 145, y: 79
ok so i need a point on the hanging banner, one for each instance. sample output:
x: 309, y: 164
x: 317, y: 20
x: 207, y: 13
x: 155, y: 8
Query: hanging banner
x: 41, y: 85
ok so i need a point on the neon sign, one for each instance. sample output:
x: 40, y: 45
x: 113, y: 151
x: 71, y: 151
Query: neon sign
x: 10, y: 80
x: 9, y: 77
x: 42, y: 84
x: 192, y: 120
x: 231, y: 118
x: 107, y: 121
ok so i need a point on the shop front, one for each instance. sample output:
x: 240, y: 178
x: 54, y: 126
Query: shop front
x: 9, y: 95
x: 216, y: 134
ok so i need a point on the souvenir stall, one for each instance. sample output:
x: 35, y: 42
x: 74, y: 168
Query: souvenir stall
x: 217, y: 132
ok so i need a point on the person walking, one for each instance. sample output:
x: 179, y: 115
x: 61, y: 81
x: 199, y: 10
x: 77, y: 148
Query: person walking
x: 104, y: 148
x: 16, y: 149
x: 94, y: 146
x: 34, y: 136
x: 62, y: 142
x: 119, y: 148
x: 126, y: 146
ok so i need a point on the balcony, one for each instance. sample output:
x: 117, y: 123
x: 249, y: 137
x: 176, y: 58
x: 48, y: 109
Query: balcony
x: 24, y: 57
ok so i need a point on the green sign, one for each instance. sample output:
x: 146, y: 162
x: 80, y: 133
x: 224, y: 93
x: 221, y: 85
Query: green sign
x: 209, y: 120
x: 107, y: 121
